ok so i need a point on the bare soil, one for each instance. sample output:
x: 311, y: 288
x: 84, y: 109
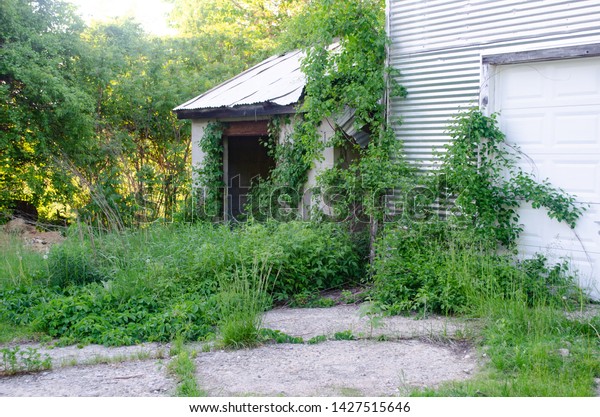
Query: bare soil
x: 33, y: 238
x: 416, y: 353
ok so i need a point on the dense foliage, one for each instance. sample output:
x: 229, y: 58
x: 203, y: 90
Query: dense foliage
x: 480, y: 170
x: 87, y: 121
x: 438, y: 267
x: 163, y: 282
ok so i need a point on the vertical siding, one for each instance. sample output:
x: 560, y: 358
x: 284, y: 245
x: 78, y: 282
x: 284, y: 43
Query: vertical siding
x: 437, y: 47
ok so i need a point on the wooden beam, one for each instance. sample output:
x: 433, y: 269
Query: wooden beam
x: 258, y: 128
x: 258, y: 110
x: 544, y: 55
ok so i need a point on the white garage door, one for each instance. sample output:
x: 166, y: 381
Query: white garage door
x: 551, y: 110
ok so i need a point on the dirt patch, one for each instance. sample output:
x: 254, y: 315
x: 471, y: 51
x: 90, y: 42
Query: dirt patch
x: 35, y: 239
x: 416, y: 353
x: 311, y: 322
x: 126, y: 379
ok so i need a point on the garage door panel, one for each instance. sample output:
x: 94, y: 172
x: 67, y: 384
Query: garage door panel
x: 528, y: 87
x: 524, y: 127
x: 579, y: 127
x: 541, y: 230
x: 551, y: 111
x: 575, y: 79
x: 578, y: 177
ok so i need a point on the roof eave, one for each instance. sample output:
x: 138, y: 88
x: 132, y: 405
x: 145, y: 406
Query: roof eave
x: 254, y: 110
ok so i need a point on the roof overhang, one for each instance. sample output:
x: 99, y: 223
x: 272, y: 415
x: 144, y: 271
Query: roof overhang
x: 254, y: 110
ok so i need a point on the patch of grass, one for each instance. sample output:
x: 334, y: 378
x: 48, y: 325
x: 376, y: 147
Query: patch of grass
x: 243, y: 300
x: 279, y: 337
x: 308, y: 299
x: 18, y: 264
x: 17, y: 360
x: 183, y: 368
x: 350, y: 392
x: 532, y: 351
x: 13, y: 333
x: 317, y: 339
x: 345, y: 335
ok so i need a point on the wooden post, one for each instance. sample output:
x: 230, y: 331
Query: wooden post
x: 225, y: 178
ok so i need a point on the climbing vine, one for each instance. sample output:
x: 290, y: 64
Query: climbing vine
x: 481, y: 170
x: 210, y: 173
x: 278, y: 196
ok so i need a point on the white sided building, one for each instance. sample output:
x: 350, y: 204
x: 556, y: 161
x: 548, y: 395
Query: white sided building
x: 534, y: 62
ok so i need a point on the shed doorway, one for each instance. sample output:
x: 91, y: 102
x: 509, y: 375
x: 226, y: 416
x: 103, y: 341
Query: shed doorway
x: 246, y: 160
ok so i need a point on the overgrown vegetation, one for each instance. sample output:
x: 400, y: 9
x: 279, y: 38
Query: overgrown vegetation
x: 17, y: 360
x: 242, y: 300
x: 480, y: 169
x: 161, y: 282
x: 182, y: 366
x: 86, y: 123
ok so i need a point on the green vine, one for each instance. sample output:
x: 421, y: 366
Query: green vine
x: 210, y: 174
x: 279, y: 196
x: 480, y: 169
x: 354, y: 76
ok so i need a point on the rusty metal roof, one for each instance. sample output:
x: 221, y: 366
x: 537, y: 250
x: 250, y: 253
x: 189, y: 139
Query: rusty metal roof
x: 277, y: 81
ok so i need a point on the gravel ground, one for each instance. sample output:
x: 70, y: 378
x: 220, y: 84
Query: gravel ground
x: 125, y: 379
x: 415, y: 355
x: 333, y: 368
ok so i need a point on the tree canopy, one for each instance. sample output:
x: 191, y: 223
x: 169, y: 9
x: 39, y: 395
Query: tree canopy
x: 86, y: 115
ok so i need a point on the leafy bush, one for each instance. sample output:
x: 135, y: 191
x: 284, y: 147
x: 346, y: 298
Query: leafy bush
x: 307, y: 257
x: 435, y: 267
x: 157, y: 283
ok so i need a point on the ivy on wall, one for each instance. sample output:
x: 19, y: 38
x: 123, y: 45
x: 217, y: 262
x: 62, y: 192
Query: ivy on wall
x: 481, y: 170
x: 210, y: 173
x: 279, y: 196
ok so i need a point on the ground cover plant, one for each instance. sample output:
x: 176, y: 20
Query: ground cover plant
x: 161, y: 282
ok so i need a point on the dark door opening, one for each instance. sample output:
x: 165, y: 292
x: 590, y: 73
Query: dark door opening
x: 247, y: 159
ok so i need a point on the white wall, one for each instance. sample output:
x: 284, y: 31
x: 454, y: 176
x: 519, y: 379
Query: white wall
x: 197, y: 134
x: 438, y: 46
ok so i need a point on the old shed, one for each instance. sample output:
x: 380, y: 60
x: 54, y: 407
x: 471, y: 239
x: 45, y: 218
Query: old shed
x: 246, y: 104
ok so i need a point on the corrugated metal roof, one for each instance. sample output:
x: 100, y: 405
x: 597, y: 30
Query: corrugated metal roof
x: 277, y: 80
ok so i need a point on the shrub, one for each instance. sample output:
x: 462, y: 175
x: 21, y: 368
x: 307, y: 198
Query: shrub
x: 437, y: 267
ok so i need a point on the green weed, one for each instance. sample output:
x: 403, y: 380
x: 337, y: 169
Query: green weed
x: 184, y: 369
x: 317, y: 339
x: 278, y: 336
x: 345, y: 335
x: 309, y: 299
x: 243, y: 300
x: 16, y: 360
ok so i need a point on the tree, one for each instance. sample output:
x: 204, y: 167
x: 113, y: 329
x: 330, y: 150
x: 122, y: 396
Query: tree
x: 233, y: 34
x: 45, y: 115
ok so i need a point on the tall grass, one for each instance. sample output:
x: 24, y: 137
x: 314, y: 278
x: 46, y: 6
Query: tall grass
x: 18, y: 264
x: 243, y: 298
